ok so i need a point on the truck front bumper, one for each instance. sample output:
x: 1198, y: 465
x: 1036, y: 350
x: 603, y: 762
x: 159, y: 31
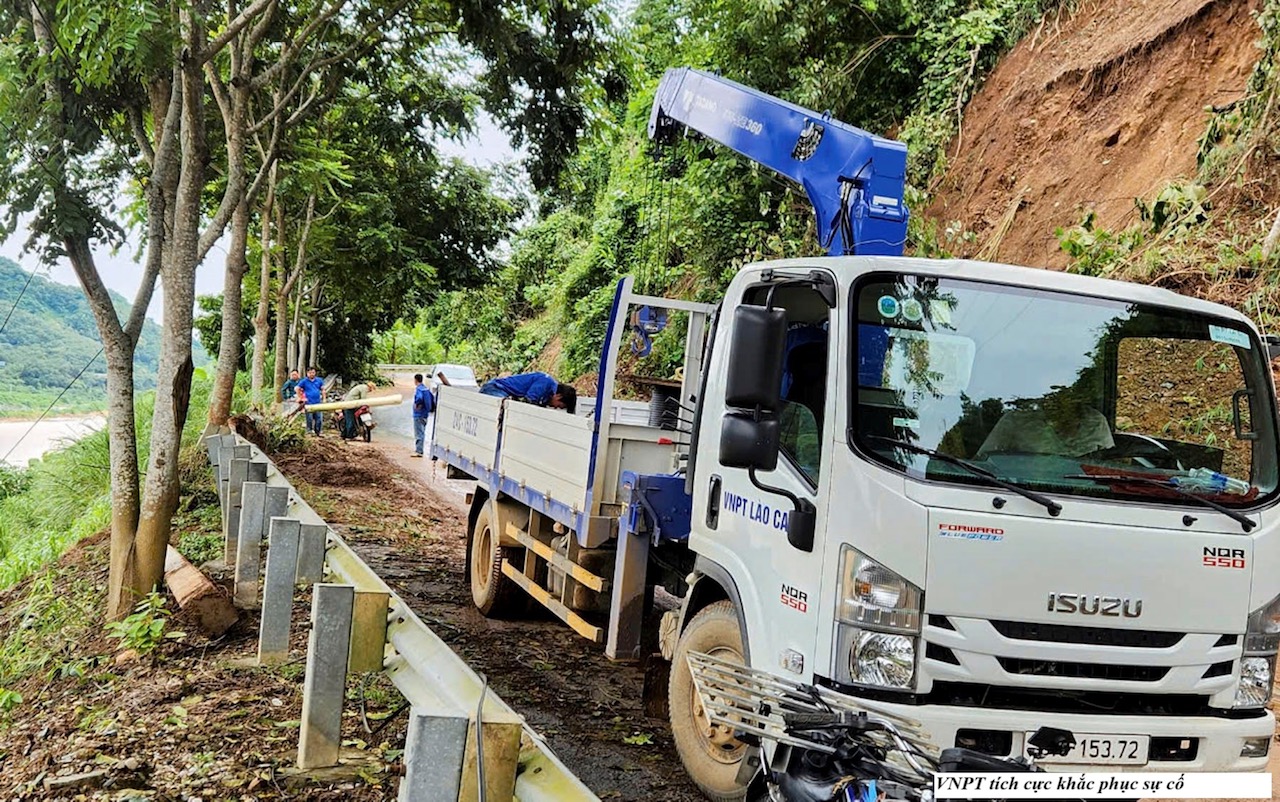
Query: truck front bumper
x: 1220, y: 741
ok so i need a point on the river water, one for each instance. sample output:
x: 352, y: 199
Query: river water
x: 23, y: 440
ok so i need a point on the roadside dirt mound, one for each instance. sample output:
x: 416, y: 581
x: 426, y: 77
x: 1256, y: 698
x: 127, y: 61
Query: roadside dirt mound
x: 1093, y: 109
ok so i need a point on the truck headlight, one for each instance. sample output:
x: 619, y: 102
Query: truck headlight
x: 873, y: 597
x: 879, y: 623
x: 881, y: 658
x: 1258, y: 664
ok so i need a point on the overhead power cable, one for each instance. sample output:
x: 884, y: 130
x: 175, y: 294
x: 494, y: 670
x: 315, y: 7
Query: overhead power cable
x: 30, y: 276
x: 31, y: 428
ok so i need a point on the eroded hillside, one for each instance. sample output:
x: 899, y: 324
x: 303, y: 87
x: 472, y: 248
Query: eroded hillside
x: 1098, y: 106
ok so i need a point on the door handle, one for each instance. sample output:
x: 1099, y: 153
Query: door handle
x: 713, y: 503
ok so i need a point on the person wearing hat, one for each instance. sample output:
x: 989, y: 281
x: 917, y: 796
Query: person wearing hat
x: 356, y: 393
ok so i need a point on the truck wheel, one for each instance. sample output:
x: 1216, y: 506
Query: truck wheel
x: 494, y: 595
x: 710, y: 753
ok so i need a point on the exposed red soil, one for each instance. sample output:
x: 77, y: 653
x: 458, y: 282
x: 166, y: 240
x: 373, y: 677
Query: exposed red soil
x: 1093, y: 109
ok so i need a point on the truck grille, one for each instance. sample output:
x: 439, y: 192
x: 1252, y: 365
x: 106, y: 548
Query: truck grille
x: 1062, y: 668
x: 1093, y: 636
x: 1060, y: 701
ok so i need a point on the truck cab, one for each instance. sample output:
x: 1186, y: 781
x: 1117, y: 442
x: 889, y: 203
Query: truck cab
x: 988, y: 498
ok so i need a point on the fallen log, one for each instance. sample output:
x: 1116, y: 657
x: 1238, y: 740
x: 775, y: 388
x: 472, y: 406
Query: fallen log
x: 204, y: 601
x: 374, y: 401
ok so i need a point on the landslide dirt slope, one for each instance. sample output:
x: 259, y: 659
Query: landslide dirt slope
x: 1095, y: 107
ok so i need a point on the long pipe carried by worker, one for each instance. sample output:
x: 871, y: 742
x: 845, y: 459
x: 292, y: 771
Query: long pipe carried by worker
x: 376, y: 401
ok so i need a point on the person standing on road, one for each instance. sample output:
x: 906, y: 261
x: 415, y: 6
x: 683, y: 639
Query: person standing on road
x: 313, y: 389
x: 423, y: 404
x: 356, y: 393
x: 534, y: 388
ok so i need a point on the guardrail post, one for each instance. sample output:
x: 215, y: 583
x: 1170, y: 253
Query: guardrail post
x: 226, y: 451
x: 242, y: 471
x: 253, y: 511
x: 369, y: 631
x: 237, y: 473
x: 501, y: 734
x: 277, y: 595
x: 434, y: 749
x: 323, y: 691
x: 213, y: 444
x: 249, y: 553
x: 311, y: 554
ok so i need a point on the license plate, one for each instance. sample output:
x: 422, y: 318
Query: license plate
x: 1103, y: 749
x: 366, y: 418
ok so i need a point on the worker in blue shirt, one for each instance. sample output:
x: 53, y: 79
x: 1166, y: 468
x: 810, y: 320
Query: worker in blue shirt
x: 423, y: 403
x: 534, y: 388
x: 286, y: 392
x: 313, y: 389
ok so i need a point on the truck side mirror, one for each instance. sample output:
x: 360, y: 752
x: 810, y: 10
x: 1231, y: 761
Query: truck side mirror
x: 801, y: 523
x: 748, y: 442
x: 755, y: 358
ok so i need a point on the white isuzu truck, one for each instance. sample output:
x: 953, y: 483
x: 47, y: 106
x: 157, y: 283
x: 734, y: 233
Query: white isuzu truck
x: 985, y: 498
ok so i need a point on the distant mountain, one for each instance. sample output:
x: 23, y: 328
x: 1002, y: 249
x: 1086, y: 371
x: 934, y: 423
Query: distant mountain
x: 51, y: 336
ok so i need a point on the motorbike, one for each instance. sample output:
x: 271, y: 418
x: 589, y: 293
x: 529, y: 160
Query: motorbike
x: 832, y: 748
x: 364, y: 424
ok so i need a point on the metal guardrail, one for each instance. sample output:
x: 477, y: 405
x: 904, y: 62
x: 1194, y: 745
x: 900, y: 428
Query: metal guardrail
x: 360, y: 623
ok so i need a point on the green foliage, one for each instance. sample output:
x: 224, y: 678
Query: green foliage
x: 682, y: 219
x: 146, y: 627
x: 9, y: 700
x: 1178, y: 212
x: 208, y: 326
x: 67, y: 493
x: 1239, y: 128
x: 50, y: 337
x: 53, y: 611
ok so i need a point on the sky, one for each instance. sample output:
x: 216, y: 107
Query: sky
x: 122, y: 273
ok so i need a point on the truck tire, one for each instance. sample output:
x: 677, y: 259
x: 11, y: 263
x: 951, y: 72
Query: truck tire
x: 710, y: 754
x: 494, y: 594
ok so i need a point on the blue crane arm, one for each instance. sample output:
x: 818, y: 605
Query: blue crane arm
x: 853, y: 178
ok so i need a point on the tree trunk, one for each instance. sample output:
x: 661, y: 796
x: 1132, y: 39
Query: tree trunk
x: 282, y: 335
x: 260, y: 320
x: 118, y: 347
x: 173, y: 374
x: 315, y: 324
x: 282, y: 305
x: 232, y: 292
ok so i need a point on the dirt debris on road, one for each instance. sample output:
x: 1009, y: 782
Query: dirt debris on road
x: 407, y: 522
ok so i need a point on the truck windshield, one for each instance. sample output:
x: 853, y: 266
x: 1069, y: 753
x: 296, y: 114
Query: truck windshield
x: 1046, y: 390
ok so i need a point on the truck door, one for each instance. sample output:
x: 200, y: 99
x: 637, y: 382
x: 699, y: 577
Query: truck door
x: 742, y: 528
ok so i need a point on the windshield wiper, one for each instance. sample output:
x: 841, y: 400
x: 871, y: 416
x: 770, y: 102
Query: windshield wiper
x: 1049, y: 504
x: 1244, y: 520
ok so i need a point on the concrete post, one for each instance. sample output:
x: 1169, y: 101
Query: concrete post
x: 239, y: 471
x: 323, y: 691
x: 277, y: 594
x: 212, y: 445
x: 311, y: 553
x: 253, y: 508
x: 257, y: 472
x: 226, y: 454
x: 434, y: 749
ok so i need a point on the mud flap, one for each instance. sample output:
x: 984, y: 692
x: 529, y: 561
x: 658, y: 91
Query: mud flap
x: 657, y: 673
x: 749, y: 773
